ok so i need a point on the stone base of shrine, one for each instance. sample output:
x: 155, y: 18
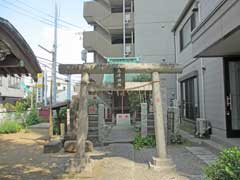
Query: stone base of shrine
x: 162, y: 165
x: 76, y: 171
x: 80, y: 167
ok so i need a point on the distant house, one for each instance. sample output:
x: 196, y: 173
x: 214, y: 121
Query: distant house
x: 62, y: 84
x: 16, y: 59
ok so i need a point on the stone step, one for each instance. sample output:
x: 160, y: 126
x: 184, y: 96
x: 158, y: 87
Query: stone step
x: 92, y: 128
x: 162, y: 162
x: 163, y: 169
x: 92, y: 118
x: 92, y: 133
x: 53, y: 146
x: 151, y: 123
x: 123, y: 141
x: 209, y: 144
x: 213, y: 146
x: 93, y: 123
x: 151, y: 133
x: 226, y: 141
x: 150, y: 119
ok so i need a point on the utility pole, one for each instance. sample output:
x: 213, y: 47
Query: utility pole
x: 45, y: 86
x: 54, y: 88
x: 32, y: 94
x: 50, y: 130
x: 124, y: 45
x: 53, y: 83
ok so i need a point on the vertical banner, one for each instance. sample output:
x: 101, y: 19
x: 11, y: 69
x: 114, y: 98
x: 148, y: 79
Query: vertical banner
x: 40, y: 88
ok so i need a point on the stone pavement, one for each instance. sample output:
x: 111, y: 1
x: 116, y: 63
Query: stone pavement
x: 121, y: 162
x: 122, y: 159
x: 120, y: 134
x: 202, y: 153
x: 118, y: 163
x: 187, y: 164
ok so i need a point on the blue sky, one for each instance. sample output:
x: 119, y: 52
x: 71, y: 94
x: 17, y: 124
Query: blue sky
x: 36, y: 32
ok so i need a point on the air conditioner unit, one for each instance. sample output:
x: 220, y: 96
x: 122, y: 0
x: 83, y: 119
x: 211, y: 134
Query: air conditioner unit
x: 127, y: 18
x: 128, y: 50
x: 201, y: 127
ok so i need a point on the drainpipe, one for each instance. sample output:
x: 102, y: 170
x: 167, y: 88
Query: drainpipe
x: 175, y: 58
x: 132, y: 33
x: 203, y: 68
x: 124, y: 29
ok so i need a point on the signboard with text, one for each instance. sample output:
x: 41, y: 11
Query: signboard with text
x: 123, y: 119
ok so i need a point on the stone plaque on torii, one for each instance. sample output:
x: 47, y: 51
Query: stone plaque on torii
x: 160, y: 161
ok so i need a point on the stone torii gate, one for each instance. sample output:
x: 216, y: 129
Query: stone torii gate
x: 160, y: 161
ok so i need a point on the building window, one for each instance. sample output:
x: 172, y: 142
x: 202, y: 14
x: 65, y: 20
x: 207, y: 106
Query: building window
x: 118, y: 39
x: 119, y: 9
x: 186, y: 31
x: 14, y: 82
x: 185, y: 34
x: 190, y: 99
x: 193, y: 21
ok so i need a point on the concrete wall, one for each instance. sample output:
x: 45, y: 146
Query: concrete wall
x: 154, y: 41
x: 216, y: 29
x: 207, y: 6
x: 214, y: 93
x: 213, y: 81
x: 5, y: 91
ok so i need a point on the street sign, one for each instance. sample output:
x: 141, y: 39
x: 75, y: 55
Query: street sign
x: 40, y: 80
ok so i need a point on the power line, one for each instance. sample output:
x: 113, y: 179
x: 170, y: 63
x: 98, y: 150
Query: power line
x: 57, y: 62
x: 28, y: 14
x: 16, y: 6
x: 46, y: 14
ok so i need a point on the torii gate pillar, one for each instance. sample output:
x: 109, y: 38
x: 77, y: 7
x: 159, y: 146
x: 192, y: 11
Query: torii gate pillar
x: 160, y: 161
x: 80, y: 160
x: 158, y: 118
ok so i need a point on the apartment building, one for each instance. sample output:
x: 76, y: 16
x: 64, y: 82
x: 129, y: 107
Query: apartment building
x: 207, y: 37
x: 148, y: 27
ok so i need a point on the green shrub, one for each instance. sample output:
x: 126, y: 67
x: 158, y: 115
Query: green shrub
x: 141, y: 142
x: 56, y: 130
x: 20, y: 107
x: 9, y: 107
x: 32, y: 118
x: 10, y: 127
x: 227, y: 166
x: 63, y: 114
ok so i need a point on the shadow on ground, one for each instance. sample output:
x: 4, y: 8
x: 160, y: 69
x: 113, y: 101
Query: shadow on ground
x: 22, y: 157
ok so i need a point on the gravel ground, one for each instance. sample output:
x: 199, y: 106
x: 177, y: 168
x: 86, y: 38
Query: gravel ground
x: 22, y: 157
x: 187, y: 164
